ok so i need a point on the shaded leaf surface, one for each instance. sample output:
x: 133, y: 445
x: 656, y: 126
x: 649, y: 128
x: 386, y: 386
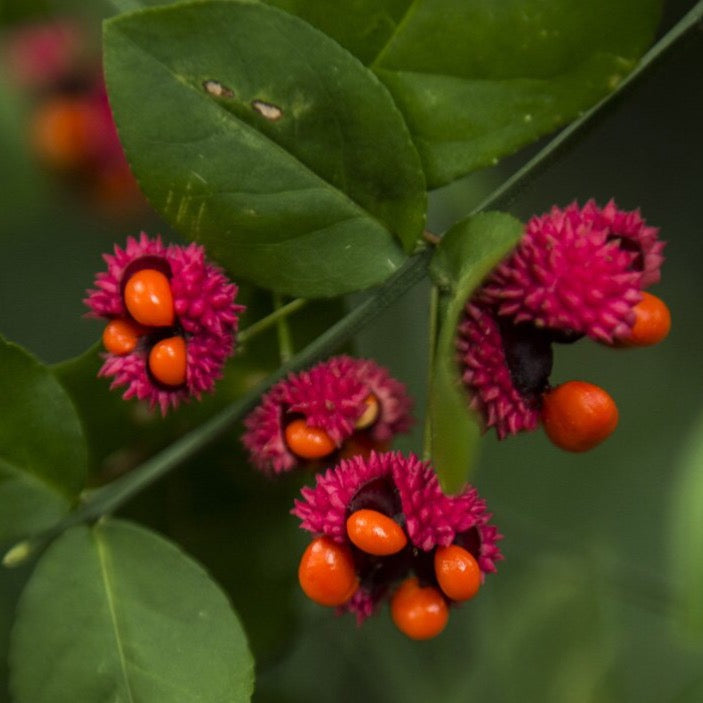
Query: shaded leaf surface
x: 268, y: 143
x: 116, y: 613
x: 466, y: 254
x: 42, y: 449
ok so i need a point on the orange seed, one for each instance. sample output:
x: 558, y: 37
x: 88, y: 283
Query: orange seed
x: 577, y: 415
x: 148, y: 298
x: 308, y: 442
x: 652, y: 322
x: 326, y: 572
x: 120, y: 337
x: 457, y: 571
x: 168, y: 361
x: 375, y: 533
x: 60, y: 133
x: 419, y: 612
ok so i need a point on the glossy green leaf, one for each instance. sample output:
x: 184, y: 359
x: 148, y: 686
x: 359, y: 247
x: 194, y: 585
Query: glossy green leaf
x: 42, y: 449
x: 268, y: 143
x: 476, y: 80
x: 116, y: 613
x: 687, y: 537
x: 466, y: 254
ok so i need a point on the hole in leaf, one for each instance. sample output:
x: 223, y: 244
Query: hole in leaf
x: 269, y: 111
x: 217, y: 90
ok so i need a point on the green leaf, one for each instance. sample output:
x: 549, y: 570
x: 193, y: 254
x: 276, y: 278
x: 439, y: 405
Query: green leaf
x: 12, y: 583
x: 42, y: 449
x: 116, y: 613
x: 268, y: 143
x: 476, y: 80
x: 686, y: 533
x: 465, y: 255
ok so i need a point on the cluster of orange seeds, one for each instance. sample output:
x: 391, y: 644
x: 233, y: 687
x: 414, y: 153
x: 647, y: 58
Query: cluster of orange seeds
x: 149, y: 302
x: 328, y: 575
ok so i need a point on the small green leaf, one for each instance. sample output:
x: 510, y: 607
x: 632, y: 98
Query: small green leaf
x: 268, y: 142
x: 116, y: 613
x: 687, y: 537
x: 42, y: 449
x: 465, y: 255
x: 476, y: 80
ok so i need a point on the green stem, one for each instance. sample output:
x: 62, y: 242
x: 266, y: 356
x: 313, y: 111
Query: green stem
x: 285, y: 342
x: 433, y: 329
x: 270, y: 320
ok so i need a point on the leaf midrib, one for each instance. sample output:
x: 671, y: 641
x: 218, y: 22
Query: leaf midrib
x: 104, y: 559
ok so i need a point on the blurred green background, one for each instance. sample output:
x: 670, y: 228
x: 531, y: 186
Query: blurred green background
x: 594, y: 599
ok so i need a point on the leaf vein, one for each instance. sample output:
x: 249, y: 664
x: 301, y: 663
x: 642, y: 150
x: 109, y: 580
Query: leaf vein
x: 104, y: 559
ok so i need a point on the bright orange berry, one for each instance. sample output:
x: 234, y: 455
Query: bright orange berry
x: 60, y: 133
x: 370, y: 414
x: 652, y: 322
x: 326, y: 572
x: 419, y: 612
x: 375, y: 533
x: 148, y: 298
x: 457, y: 571
x: 168, y: 361
x: 308, y: 442
x: 578, y: 415
x: 120, y: 337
